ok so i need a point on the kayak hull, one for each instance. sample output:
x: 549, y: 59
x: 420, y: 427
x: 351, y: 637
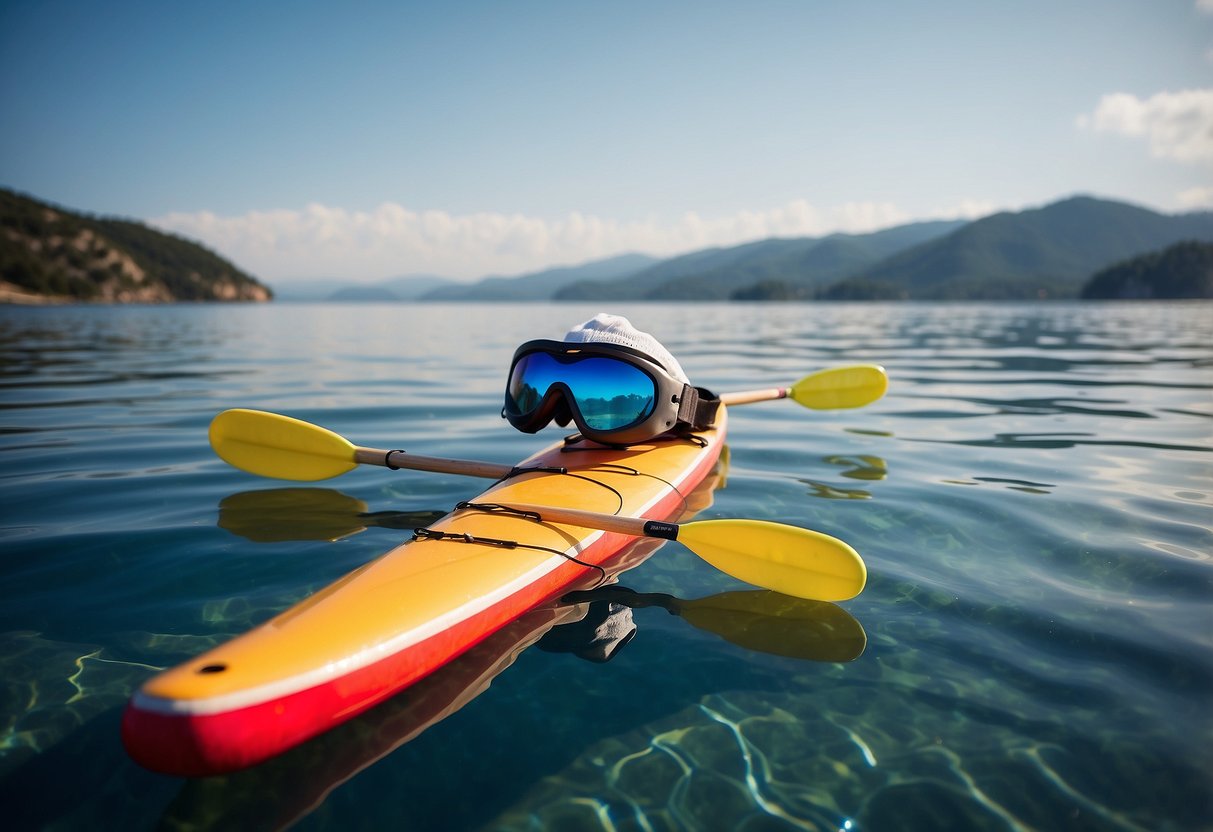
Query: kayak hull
x: 399, y: 618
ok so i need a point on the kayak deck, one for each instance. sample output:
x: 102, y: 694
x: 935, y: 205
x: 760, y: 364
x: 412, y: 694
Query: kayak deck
x: 393, y: 621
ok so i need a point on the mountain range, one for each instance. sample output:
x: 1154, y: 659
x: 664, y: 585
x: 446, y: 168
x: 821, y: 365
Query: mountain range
x: 47, y: 252
x: 543, y: 285
x: 533, y: 286
x: 1045, y: 252
x: 1038, y: 253
x: 715, y: 274
x: 1049, y: 251
x: 409, y: 287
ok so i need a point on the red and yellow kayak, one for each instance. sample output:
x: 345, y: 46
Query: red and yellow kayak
x: 398, y: 619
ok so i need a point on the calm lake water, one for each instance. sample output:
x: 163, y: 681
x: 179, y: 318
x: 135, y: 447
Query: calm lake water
x: 1033, y: 500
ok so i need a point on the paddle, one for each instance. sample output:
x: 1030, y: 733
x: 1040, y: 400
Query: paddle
x: 273, y: 445
x: 836, y: 388
x: 755, y: 619
x: 794, y: 561
x: 788, y: 559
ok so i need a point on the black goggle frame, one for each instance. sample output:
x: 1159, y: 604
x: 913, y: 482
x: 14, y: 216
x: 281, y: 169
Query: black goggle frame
x: 677, y: 406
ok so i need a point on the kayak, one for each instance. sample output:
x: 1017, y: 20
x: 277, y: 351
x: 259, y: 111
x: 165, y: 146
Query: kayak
x: 398, y: 619
x: 283, y: 791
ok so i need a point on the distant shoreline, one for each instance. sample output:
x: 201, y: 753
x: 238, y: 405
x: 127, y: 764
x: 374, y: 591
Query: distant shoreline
x: 13, y: 294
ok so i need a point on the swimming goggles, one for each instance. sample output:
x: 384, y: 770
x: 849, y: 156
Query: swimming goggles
x: 614, y: 394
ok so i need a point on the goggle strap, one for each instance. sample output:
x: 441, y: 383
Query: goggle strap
x: 697, y: 407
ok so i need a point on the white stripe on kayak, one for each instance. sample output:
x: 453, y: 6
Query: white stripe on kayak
x: 357, y: 661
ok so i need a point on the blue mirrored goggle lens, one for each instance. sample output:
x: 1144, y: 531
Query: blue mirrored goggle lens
x: 609, y: 394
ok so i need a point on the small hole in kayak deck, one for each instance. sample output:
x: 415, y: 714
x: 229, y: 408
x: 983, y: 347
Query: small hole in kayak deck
x: 213, y: 668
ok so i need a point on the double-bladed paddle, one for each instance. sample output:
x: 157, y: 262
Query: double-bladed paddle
x: 273, y: 445
x: 787, y: 559
x: 756, y: 619
x: 278, y: 446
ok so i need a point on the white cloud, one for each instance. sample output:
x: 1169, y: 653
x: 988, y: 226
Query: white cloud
x: 968, y: 209
x: 1178, y: 125
x: 1205, y: 6
x: 322, y: 241
x: 1195, y: 198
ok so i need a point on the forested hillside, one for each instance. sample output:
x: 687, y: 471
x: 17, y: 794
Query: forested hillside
x: 48, y: 253
x: 1185, y: 270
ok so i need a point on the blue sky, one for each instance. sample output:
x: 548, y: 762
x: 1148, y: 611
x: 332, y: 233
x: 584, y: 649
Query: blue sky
x: 369, y: 140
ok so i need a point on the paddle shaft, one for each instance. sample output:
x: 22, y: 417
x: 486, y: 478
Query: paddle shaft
x: 435, y: 464
x: 492, y: 471
x: 751, y: 396
x: 833, y: 389
x: 633, y: 526
x: 810, y: 564
x: 274, y: 445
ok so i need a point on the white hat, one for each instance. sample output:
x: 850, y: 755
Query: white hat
x: 616, y: 329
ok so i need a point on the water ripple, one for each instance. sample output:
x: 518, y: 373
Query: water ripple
x: 1031, y: 498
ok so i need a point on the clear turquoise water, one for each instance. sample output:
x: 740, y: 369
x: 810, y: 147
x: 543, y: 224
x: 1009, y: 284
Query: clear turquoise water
x: 1032, y: 499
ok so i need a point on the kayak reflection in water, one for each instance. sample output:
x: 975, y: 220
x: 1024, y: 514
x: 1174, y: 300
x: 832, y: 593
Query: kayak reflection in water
x: 602, y: 632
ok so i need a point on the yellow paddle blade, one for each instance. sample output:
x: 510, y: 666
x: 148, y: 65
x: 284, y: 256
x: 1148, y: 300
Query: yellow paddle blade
x: 798, y: 562
x: 841, y: 387
x: 272, y: 445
